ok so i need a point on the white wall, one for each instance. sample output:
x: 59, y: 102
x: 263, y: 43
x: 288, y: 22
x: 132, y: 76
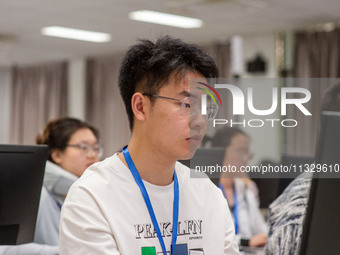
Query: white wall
x: 264, y: 45
x: 265, y: 141
x: 5, y: 104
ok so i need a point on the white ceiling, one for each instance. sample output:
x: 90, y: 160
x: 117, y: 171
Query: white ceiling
x: 21, y: 20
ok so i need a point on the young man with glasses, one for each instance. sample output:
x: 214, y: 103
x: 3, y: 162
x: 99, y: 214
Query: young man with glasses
x: 142, y: 201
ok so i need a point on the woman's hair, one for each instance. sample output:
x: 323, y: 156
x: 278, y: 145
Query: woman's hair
x: 58, y: 132
x: 224, y: 136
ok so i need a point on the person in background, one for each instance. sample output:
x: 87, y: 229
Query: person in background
x: 287, y: 213
x: 240, y: 191
x: 73, y: 147
x: 143, y: 201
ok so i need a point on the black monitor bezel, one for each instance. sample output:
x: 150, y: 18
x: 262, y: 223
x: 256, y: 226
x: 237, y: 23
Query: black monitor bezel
x: 15, y: 198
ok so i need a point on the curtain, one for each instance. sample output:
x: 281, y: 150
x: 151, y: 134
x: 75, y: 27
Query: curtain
x: 220, y: 52
x: 317, y: 56
x: 104, y: 108
x: 38, y: 95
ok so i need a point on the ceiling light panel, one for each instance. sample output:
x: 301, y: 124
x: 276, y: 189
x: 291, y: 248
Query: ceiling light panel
x: 165, y: 19
x: 76, y: 34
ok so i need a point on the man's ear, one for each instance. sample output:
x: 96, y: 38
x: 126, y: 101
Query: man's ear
x: 56, y: 156
x: 139, y: 104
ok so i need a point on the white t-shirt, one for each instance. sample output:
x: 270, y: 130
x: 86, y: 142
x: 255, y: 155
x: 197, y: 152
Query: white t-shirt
x: 105, y: 213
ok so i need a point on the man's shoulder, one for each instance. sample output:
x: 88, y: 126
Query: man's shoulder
x: 290, y: 206
x: 286, y: 216
x: 298, y: 188
x: 103, y: 173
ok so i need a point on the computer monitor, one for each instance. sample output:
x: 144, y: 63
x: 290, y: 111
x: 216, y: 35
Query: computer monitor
x: 21, y: 176
x: 207, y: 157
x: 322, y: 223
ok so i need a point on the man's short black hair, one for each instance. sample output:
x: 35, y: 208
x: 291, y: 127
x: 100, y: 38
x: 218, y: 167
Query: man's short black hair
x: 147, y: 66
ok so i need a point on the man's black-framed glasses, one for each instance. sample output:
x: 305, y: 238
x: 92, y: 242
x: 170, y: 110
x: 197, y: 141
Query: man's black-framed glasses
x: 190, y: 105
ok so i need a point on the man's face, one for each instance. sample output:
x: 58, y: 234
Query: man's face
x: 173, y: 132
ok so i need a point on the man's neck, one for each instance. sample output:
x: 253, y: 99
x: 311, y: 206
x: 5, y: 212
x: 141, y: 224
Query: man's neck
x: 152, y: 166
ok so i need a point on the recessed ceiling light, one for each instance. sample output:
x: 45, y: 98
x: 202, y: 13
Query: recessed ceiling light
x: 165, y: 19
x: 76, y: 34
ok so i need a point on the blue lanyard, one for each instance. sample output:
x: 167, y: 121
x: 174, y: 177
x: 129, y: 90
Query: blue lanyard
x: 144, y: 192
x: 235, y: 209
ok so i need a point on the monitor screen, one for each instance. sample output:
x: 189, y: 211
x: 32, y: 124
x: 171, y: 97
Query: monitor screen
x: 322, y: 223
x: 21, y: 176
